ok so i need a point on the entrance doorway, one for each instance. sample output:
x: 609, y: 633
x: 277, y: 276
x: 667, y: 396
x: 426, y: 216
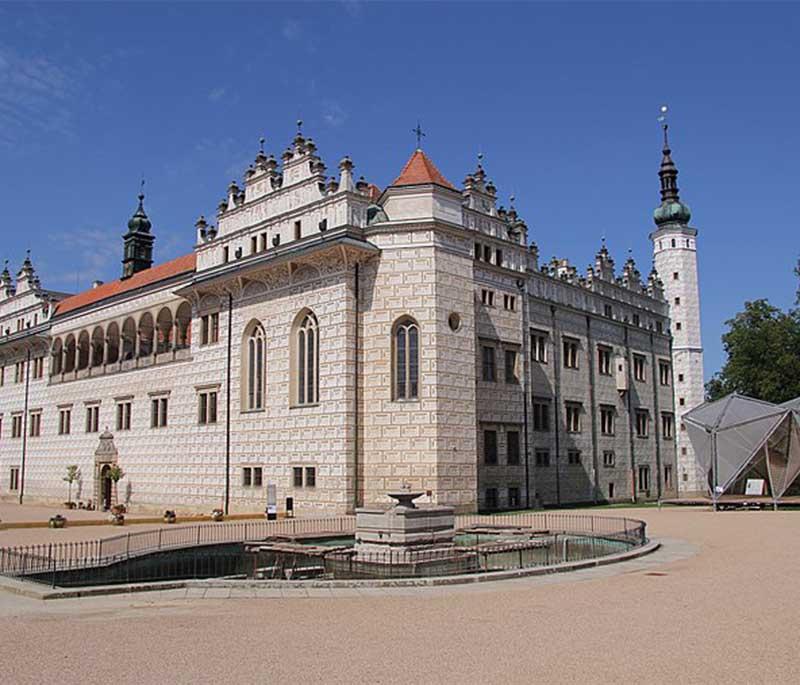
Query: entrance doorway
x: 105, y: 488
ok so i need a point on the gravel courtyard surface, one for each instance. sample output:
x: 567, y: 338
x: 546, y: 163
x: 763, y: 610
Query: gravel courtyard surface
x: 729, y: 611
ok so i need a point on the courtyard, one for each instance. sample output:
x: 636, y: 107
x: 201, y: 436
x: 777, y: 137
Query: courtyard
x: 717, y: 602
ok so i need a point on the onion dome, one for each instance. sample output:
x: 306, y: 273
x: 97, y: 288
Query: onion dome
x: 139, y: 223
x: 671, y: 210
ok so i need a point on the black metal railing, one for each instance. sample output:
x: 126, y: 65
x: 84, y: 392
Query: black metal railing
x: 570, y: 537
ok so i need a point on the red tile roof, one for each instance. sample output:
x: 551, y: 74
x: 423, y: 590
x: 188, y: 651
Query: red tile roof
x: 419, y: 169
x: 154, y: 274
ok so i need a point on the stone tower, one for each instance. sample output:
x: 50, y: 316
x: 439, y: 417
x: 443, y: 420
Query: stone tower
x: 675, y: 260
x: 138, y: 243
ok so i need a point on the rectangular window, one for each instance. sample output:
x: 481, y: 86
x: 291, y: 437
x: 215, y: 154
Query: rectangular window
x: 262, y: 238
x: 663, y: 372
x: 659, y: 327
x: 539, y: 347
x: 491, y: 498
x: 297, y: 476
x: 668, y: 477
x: 13, y: 478
x: 19, y: 372
x: 247, y: 477
x: 16, y: 426
x: 607, y: 413
x: 570, y: 353
x: 608, y: 311
x: 487, y: 366
x: 38, y: 367
x: 298, y: 230
x: 64, y: 421
x: 478, y: 251
x: 639, y: 367
x: 573, y: 416
x: 674, y: 275
x: 498, y: 257
x: 677, y: 325
x: 252, y: 476
x: 644, y: 478
x: 608, y: 458
x: 258, y: 477
x: 253, y: 244
x: 311, y: 477
x: 490, y: 447
x: 611, y: 491
x: 680, y: 378
x: 642, y: 423
x: 158, y: 412
x: 573, y: 457
x: 513, y: 498
x: 541, y: 415
x: 93, y: 418
x: 124, y: 410
x: 226, y: 254
x: 603, y: 360
x: 542, y: 457
x: 667, y: 426
x: 487, y: 297
x: 209, y: 329
x: 207, y: 407
x: 35, y: 427
x: 509, y: 302
x: 487, y: 253
x: 677, y: 301
x: 512, y: 447
x: 636, y: 320
x: 511, y: 366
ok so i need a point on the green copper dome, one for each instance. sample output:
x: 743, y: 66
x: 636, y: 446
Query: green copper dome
x: 672, y: 212
x: 139, y: 223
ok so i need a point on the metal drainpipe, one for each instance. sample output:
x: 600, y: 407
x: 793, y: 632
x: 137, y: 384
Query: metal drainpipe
x: 25, y: 426
x: 593, y: 406
x: 228, y: 408
x: 629, y: 403
x: 356, y: 423
x: 523, y: 287
x: 556, y: 408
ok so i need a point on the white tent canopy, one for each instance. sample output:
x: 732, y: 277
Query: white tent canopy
x: 737, y: 436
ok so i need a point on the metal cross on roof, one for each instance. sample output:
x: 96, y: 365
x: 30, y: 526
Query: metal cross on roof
x: 420, y: 135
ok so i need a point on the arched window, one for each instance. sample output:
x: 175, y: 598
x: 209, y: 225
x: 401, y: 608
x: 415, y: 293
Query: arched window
x: 306, y: 359
x: 405, y: 358
x: 254, y: 367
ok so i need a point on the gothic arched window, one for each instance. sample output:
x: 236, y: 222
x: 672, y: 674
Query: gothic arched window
x: 405, y: 359
x: 306, y: 358
x: 254, y: 367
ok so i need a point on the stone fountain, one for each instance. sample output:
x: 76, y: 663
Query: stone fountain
x: 404, y: 529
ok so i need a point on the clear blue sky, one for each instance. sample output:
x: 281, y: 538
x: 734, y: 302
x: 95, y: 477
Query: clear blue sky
x: 561, y: 98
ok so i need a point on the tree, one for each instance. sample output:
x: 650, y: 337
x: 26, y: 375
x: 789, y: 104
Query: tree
x: 73, y: 474
x: 763, y: 348
x: 116, y: 474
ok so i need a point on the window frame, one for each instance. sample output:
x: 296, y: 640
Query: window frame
x: 405, y: 371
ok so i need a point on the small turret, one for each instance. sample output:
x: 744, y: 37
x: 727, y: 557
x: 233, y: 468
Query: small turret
x: 6, y: 284
x: 604, y: 264
x: 138, y: 254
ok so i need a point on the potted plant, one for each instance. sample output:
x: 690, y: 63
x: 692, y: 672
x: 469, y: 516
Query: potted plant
x: 73, y: 474
x: 57, y: 521
x: 116, y: 474
x: 118, y: 515
x: 217, y: 514
x: 169, y: 516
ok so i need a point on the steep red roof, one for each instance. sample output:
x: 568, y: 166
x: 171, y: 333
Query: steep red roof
x: 420, y: 169
x: 159, y: 272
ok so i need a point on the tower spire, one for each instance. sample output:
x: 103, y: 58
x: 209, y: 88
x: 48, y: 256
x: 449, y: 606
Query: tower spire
x: 672, y: 210
x: 138, y: 252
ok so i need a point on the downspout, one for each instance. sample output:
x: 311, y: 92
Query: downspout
x: 556, y: 408
x: 25, y: 426
x: 228, y: 408
x: 631, y: 426
x: 356, y: 423
x: 593, y: 404
x: 523, y: 287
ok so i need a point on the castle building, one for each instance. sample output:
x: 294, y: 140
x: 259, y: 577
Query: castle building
x: 337, y: 341
x: 675, y: 258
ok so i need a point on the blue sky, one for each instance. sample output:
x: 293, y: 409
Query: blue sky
x: 561, y: 98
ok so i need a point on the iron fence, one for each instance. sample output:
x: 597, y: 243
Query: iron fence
x: 50, y: 561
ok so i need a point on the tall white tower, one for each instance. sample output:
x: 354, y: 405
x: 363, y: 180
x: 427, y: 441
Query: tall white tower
x: 675, y: 258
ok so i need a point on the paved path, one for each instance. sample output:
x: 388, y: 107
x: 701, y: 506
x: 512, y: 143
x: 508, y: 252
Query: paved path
x: 719, y: 603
